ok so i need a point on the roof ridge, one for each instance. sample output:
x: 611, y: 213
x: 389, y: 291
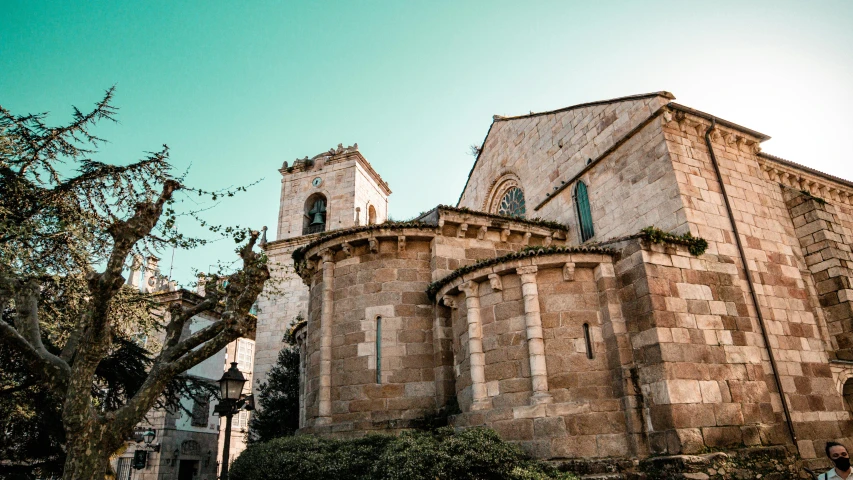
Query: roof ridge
x: 662, y: 93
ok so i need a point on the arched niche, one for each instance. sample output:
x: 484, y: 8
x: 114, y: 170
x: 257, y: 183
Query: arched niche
x: 371, y: 215
x: 316, y: 212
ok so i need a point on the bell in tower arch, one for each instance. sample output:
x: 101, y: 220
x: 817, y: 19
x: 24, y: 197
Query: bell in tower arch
x: 318, y: 212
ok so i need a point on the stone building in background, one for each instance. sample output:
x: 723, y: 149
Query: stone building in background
x: 187, y: 442
x: 538, y: 308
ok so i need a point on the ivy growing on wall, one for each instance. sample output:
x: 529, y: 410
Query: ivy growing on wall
x: 695, y: 245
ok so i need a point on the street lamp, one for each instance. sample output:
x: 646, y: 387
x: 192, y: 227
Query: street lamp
x: 148, y: 436
x: 231, y: 387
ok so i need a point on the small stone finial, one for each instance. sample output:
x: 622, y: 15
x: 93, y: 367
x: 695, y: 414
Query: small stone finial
x: 355, y: 146
x: 263, y: 241
x: 284, y: 165
x: 340, y: 148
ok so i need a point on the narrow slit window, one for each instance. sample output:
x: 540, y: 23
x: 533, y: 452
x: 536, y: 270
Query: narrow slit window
x: 584, y: 212
x: 378, y: 349
x: 588, y: 339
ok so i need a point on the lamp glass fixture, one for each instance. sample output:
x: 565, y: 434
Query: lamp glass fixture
x: 231, y: 383
x: 148, y: 436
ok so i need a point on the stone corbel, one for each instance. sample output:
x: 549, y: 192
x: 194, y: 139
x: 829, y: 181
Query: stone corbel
x: 481, y: 234
x: 715, y: 135
x: 833, y: 194
x: 667, y: 115
x: 548, y: 240
x: 449, y: 301
x: 741, y: 141
x: 505, y: 234
x: 495, y: 282
x: 327, y: 255
x: 569, y: 271
x: 526, y: 239
x: 440, y: 226
x: 373, y: 243
x: 460, y: 232
x: 728, y: 138
x: 347, y: 249
x: 401, y: 243
x: 700, y: 128
x: 755, y: 148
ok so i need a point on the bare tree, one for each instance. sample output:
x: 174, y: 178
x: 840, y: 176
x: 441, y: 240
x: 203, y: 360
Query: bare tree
x: 64, y: 214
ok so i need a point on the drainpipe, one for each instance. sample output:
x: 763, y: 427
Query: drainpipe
x: 749, y: 280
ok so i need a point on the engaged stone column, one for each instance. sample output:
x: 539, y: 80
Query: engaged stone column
x: 476, y: 357
x: 327, y: 308
x: 535, y: 342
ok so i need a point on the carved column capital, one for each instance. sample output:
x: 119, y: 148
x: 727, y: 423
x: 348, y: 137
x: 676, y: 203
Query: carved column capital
x: 528, y: 274
x: 470, y: 288
x: 327, y: 255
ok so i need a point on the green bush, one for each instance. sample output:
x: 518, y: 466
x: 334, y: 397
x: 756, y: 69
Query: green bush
x: 442, y: 454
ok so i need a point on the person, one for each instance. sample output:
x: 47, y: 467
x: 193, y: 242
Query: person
x: 837, y: 453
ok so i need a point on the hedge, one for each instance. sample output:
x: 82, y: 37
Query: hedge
x: 442, y: 454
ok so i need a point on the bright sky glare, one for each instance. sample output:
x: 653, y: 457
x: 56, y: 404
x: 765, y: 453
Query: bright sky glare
x: 234, y: 90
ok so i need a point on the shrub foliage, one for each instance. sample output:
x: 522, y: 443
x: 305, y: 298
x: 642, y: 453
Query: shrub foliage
x: 441, y: 454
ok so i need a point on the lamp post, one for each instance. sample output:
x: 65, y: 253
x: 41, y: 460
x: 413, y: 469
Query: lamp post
x: 231, y: 387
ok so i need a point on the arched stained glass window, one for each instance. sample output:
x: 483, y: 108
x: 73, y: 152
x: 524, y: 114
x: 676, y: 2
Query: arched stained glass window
x: 512, y: 203
x: 584, y: 212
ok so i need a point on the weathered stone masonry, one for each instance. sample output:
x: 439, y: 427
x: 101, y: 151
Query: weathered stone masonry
x: 613, y: 347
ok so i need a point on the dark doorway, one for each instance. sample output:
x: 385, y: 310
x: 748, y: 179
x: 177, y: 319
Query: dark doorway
x: 188, y: 470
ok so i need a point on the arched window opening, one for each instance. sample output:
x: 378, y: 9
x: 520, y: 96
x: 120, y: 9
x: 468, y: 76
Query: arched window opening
x: 378, y: 349
x: 314, y: 219
x: 588, y: 339
x: 847, y: 392
x: 512, y: 203
x: 584, y: 213
x: 371, y: 215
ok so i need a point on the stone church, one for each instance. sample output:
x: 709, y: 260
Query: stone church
x: 543, y: 307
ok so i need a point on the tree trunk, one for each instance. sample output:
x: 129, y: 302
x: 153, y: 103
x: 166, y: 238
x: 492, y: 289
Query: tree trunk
x: 87, y: 455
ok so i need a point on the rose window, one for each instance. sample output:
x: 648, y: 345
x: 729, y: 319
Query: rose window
x: 512, y: 203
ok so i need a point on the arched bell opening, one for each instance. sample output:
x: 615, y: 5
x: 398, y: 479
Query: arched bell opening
x: 316, y: 212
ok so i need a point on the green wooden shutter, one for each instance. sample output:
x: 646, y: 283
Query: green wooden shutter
x: 584, y: 213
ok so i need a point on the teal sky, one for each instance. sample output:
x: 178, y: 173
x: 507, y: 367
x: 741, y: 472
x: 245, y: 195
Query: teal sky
x: 235, y: 88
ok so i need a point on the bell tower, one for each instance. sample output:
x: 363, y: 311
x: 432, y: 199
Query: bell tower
x: 332, y: 190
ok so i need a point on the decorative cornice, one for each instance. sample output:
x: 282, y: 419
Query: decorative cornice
x: 694, y: 122
x: 509, y: 261
x: 800, y: 177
